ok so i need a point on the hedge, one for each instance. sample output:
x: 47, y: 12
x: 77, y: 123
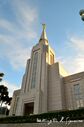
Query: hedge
x: 71, y: 114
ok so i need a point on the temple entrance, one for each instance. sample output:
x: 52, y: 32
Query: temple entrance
x: 28, y: 108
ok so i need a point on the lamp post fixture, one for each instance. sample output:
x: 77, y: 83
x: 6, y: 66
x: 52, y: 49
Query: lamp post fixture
x: 81, y: 12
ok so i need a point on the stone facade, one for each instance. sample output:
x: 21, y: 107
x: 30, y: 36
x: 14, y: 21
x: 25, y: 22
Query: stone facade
x: 46, y: 86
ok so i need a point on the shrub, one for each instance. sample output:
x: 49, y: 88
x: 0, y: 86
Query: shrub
x: 71, y: 114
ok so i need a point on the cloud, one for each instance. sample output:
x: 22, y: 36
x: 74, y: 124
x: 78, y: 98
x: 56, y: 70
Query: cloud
x: 26, y: 16
x: 15, y: 52
x: 19, y: 58
x: 6, y: 25
x: 17, y: 38
x: 77, y: 43
x: 79, y: 62
x: 11, y: 87
x: 75, y: 63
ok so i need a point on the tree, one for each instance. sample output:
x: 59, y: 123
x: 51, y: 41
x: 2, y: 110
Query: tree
x: 1, y: 75
x: 8, y: 100
x: 4, y: 97
x: 3, y: 94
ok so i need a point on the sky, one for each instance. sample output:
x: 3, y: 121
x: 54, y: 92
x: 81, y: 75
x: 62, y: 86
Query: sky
x: 21, y: 27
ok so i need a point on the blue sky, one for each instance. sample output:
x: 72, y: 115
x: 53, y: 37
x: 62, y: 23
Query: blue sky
x: 20, y: 29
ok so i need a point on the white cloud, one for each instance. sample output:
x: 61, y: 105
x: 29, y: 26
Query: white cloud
x: 6, y: 25
x: 19, y: 58
x: 75, y: 63
x: 11, y: 87
x: 77, y: 43
x: 15, y: 52
x: 26, y: 16
x: 16, y: 44
x: 79, y: 62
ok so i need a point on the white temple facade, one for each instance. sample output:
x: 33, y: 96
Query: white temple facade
x: 46, y: 86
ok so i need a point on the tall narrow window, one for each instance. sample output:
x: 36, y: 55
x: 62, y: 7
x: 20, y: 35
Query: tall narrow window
x: 78, y: 96
x: 35, y: 59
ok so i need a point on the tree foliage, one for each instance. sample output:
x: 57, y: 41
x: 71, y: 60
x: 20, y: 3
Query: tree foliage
x: 8, y: 100
x: 4, y: 97
x: 1, y: 75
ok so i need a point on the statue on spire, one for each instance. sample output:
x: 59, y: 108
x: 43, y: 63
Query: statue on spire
x: 44, y: 26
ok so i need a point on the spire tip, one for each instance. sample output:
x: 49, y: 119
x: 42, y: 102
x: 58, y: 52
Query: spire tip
x: 44, y: 26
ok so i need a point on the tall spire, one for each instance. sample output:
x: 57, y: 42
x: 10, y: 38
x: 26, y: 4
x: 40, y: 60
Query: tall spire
x: 43, y: 35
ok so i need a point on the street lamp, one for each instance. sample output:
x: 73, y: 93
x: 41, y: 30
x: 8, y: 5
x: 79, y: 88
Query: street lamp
x: 81, y: 12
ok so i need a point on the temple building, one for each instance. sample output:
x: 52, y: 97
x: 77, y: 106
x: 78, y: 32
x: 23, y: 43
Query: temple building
x: 46, y: 86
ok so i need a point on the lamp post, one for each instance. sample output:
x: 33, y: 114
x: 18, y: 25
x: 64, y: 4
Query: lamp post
x: 81, y: 12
